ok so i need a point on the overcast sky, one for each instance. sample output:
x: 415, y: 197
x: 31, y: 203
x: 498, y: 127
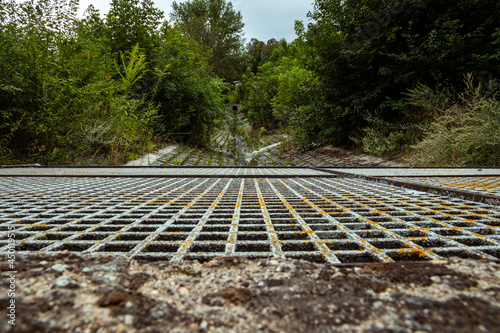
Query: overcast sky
x: 264, y: 19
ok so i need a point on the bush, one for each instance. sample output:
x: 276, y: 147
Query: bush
x: 190, y: 96
x: 59, y: 103
x: 284, y: 95
x: 374, y: 142
x: 464, y: 134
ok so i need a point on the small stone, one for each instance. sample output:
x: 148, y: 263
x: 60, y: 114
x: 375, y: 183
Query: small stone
x: 110, y: 276
x: 273, y: 262
x: 213, y: 300
x: 128, y: 319
x: 435, y: 279
x: 62, y: 281
x: 59, y: 267
x: 106, y: 268
x: 203, y: 326
x: 43, y: 263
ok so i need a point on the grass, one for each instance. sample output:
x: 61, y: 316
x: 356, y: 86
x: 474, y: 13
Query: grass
x: 465, y: 134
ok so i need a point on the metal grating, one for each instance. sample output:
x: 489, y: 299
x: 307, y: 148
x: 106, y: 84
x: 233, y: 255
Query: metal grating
x: 419, y: 172
x: 166, y: 172
x: 485, y: 185
x: 335, y: 220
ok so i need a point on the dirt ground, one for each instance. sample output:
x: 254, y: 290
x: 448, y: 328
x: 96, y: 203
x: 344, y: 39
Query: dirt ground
x: 71, y: 293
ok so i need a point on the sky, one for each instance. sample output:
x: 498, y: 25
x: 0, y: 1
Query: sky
x: 264, y: 19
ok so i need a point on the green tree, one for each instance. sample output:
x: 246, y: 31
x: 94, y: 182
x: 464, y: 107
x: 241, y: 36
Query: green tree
x: 190, y: 95
x: 370, y: 52
x: 260, y: 52
x: 284, y: 94
x: 219, y: 27
x: 131, y: 22
x: 58, y: 101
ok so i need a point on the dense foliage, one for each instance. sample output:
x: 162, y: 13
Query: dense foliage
x: 284, y: 94
x: 260, y: 52
x: 219, y: 27
x: 351, y: 78
x: 91, y: 90
x: 190, y: 97
x: 465, y: 132
x: 372, y: 51
x: 386, y: 76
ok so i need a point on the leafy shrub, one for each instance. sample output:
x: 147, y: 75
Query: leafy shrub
x: 61, y: 104
x: 257, y: 91
x: 190, y: 96
x: 374, y: 142
x: 464, y: 134
x: 284, y: 95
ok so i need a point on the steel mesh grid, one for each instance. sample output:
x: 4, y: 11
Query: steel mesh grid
x: 322, y: 219
x: 473, y: 173
x: 158, y: 171
x: 487, y: 185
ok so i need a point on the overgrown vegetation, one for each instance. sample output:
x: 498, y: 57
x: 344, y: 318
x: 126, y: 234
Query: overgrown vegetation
x: 284, y: 94
x: 98, y: 90
x: 465, y: 133
x: 385, y: 76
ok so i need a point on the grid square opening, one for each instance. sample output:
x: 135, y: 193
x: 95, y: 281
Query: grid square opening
x: 75, y: 247
x: 292, y: 236
x: 94, y: 236
x: 343, y: 246
x: 301, y: 247
x: 348, y: 258
x: 161, y: 248
x: 323, y: 227
x: 168, y: 236
x: 131, y: 236
x: 251, y: 228
x: 117, y: 247
x: 252, y: 247
x: 208, y: 247
x: 55, y: 236
x: 254, y: 236
x: 430, y: 242
x: 333, y: 235
x: 31, y: 246
x: 212, y: 236
x: 388, y: 244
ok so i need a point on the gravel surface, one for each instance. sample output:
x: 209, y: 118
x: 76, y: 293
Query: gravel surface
x: 71, y: 293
